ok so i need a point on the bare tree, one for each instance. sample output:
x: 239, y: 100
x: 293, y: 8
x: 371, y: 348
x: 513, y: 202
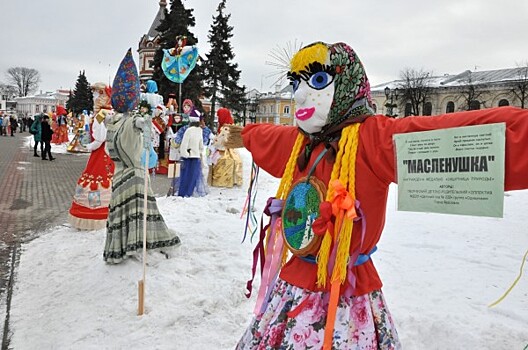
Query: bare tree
x: 520, y: 87
x: 470, y: 93
x: 26, y: 80
x: 414, y: 88
x: 8, y: 90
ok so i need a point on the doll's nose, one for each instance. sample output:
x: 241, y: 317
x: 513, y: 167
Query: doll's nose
x: 300, y: 95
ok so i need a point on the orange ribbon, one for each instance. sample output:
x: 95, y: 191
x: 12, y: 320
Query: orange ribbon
x: 342, y: 200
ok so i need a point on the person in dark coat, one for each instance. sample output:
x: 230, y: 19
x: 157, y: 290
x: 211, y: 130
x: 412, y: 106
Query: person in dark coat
x: 35, y: 129
x: 14, y: 124
x: 46, y: 134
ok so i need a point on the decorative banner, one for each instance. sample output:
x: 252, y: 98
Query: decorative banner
x: 452, y: 171
x: 177, y: 67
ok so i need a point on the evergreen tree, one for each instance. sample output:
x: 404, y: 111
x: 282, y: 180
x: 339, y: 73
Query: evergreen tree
x: 82, y: 98
x: 221, y: 74
x: 69, y: 102
x: 176, y: 23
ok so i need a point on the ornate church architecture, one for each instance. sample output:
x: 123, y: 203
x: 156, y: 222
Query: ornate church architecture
x: 148, y: 44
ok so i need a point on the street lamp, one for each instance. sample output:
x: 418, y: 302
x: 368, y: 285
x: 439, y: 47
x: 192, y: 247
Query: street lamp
x: 253, y: 104
x: 277, y: 105
x: 392, y: 95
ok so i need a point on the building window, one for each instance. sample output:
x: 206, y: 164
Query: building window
x: 503, y: 102
x: 428, y: 109
x: 450, y: 108
x: 474, y: 105
x: 408, y: 109
x: 286, y: 110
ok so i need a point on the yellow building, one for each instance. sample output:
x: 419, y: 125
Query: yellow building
x: 272, y: 107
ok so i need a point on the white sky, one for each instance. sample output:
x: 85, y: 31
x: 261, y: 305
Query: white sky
x: 439, y: 272
x: 61, y: 37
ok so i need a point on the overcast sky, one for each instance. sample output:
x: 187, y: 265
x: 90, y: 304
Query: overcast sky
x: 61, y: 37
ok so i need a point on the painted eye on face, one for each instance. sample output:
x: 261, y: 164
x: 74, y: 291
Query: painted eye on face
x: 295, y: 84
x: 320, y: 80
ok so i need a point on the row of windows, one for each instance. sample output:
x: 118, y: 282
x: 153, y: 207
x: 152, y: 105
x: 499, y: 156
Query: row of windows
x: 263, y: 109
x: 39, y: 108
x: 450, y: 107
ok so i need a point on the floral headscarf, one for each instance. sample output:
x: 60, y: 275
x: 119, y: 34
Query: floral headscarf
x: 352, y: 88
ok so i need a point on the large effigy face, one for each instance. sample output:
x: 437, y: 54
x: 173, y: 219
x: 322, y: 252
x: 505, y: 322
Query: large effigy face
x: 312, y: 78
x: 330, y: 86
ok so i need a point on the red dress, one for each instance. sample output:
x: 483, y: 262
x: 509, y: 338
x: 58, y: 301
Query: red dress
x: 375, y: 170
x: 89, y: 209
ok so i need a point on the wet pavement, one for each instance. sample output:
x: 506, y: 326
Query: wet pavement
x: 35, y: 196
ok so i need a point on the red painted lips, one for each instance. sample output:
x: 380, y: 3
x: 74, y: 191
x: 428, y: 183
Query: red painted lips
x: 304, y: 113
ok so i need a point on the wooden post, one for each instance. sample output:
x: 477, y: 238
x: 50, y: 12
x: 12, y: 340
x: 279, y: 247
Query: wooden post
x: 141, y: 283
x: 141, y: 297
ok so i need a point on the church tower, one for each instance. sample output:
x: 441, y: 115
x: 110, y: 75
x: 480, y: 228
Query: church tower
x: 148, y: 44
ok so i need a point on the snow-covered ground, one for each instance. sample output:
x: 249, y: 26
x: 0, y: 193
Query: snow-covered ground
x: 439, y: 271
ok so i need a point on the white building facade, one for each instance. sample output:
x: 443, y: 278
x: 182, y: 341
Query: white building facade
x: 42, y: 102
x: 494, y: 88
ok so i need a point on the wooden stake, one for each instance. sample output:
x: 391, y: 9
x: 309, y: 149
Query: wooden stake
x: 141, y: 299
x: 141, y: 284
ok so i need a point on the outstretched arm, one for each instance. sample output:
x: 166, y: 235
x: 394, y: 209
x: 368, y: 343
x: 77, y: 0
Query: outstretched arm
x: 376, y: 139
x: 270, y: 145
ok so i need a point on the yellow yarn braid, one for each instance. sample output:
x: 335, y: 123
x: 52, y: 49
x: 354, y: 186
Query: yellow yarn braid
x: 344, y: 236
x: 344, y: 169
x: 326, y: 244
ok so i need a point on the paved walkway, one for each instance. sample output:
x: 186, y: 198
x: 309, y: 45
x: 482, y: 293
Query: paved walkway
x: 35, y: 195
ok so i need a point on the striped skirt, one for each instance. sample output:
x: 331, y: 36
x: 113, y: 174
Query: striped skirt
x: 124, y: 228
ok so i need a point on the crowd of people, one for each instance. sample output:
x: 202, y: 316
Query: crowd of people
x: 10, y: 123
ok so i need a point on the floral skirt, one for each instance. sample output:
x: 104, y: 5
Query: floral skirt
x: 294, y: 318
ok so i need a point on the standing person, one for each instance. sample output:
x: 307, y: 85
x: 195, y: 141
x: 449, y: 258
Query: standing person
x: 226, y: 166
x: 124, y: 228
x: 36, y: 130
x: 46, y: 135
x: 5, y: 124
x: 191, y: 149
x: 27, y: 123
x: 14, y: 124
x: 23, y: 124
x: 89, y: 209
